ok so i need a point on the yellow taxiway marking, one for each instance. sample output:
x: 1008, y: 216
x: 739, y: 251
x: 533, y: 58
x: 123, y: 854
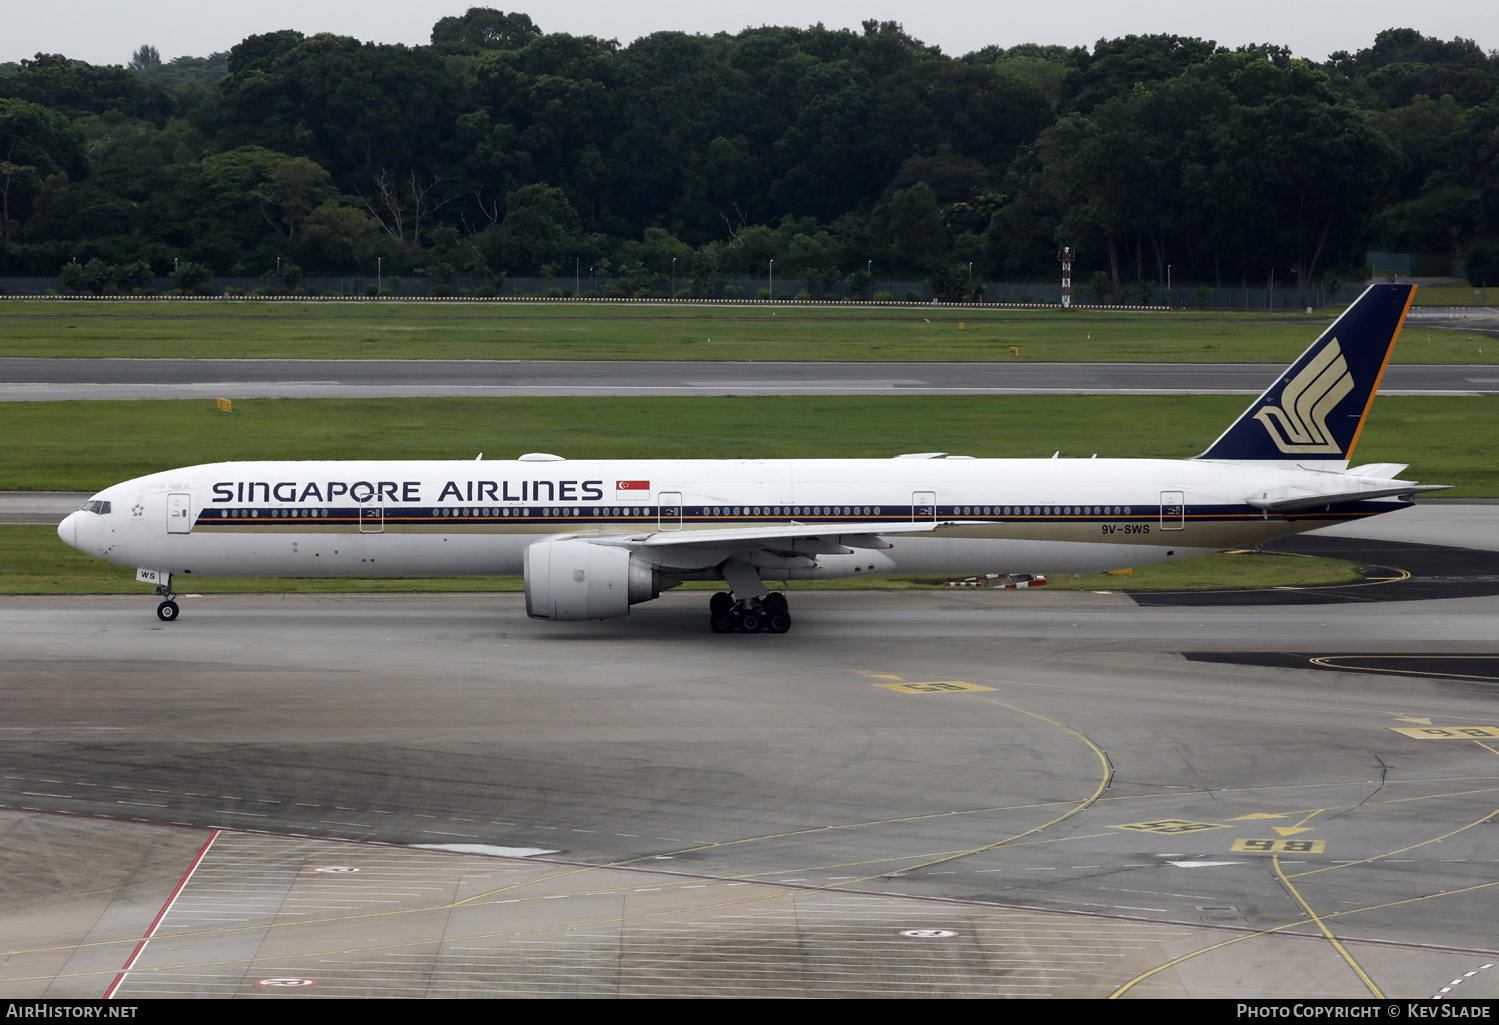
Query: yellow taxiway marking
x: 1258, y: 815
x: 1447, y: 732
x: 935, y: 687
x: 1326, y: 931
x: 1336, y: 914
x: 1364, y: 861
x: 1413, y: 718
x: 1328, y: 662
x: 1170, y: 826
x: 1298, y: 827
x: 1290, y: 925
x: 1243, y: 846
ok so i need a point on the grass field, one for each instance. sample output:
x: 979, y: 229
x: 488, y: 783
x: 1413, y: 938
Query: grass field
x: 297, y: 330
x: 84, y: 446
x: 1455, y: 295
x: 34, y: 561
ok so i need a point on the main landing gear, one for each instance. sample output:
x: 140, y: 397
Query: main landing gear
x: 769, y: 614
x: 167, y: 611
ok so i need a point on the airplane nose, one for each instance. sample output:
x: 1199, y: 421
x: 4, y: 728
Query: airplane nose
x: 68, y: 529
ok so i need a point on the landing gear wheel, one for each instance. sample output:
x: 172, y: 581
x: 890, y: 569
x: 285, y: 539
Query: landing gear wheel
x: 167, y: 611
x: 752, y: 621
x: 722, y: 622
x: 778, y: 622
x: 774, y: 602
x: 721, y: 602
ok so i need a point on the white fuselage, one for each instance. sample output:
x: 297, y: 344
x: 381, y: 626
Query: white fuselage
x: 430, y: 518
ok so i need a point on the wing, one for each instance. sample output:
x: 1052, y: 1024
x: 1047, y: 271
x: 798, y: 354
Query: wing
x: 710, y: 547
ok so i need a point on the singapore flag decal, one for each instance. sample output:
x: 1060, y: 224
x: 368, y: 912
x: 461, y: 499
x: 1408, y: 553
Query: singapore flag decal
x: 632, y: 485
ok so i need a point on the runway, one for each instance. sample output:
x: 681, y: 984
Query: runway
x: 39, y: 379
x: 912, y: 793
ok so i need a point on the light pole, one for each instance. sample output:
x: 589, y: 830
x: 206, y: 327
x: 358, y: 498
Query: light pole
x: 379, y: 264
x: 673, y: 278
x: 1067, y: 258
x: 970, y: 279
x: 577, y: 274
x: 772, y: 281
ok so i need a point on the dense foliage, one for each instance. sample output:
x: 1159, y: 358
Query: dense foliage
x: 499, y: 149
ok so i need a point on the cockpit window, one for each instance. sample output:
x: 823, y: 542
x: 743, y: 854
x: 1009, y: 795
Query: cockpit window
x: 102, y: 508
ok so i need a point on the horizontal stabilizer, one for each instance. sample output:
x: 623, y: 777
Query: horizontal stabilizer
x: 1289, y: 504
x: 1378, y: 471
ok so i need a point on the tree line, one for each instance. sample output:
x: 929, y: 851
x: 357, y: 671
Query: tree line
x: 499, y: 149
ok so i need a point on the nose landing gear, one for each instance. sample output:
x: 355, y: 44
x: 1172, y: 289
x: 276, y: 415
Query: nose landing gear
x: 769, y: 614
x: 167, y: 611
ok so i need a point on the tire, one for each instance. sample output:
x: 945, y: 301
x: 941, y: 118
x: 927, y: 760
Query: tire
x: 722, y: 622
x: 167, y: 611
x: 774, y: 602
x: 778, y: 622
x: 752, y: 622
x: 722, y: 601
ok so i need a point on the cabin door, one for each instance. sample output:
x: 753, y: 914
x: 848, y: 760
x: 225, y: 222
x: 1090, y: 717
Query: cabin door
x: 669, y: 504
x: 1173, y: 511
x: 179, y: 514
x: 923, y: 506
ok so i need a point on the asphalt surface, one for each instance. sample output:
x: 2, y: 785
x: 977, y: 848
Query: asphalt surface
x: 1026, y: 793
x: 1023, y: 793
x: 1392, y: 571
x: 26, y: 378
x: 1037, y: 773
x: 1477, y: 319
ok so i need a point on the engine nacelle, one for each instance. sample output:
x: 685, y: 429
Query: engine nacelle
x: 567, y: 580
x: 834, y: 566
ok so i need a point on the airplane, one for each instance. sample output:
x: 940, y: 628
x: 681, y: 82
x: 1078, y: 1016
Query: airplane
x: 594, y: 537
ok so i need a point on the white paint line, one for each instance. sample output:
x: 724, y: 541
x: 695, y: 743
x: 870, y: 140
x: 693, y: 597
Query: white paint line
x: 488, y: 850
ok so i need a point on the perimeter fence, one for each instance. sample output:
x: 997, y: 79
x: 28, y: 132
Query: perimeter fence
x: 1047, y: 293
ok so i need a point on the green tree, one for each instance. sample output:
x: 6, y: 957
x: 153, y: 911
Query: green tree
x: 1082, y: 173
x: 540, y: 228
x: 194, y: 278
x: 1403, y: 64
x: 916, y: 226
x: 242, y: 192
x: 145, y: 58
x: 354, y: 108
x: 483, y: 28
x: 296, y: 187
x: 1306, y: 177
x: 34, y: 142
x: 342, y: 235
x: 1116, y: 66
x: 75, y: 88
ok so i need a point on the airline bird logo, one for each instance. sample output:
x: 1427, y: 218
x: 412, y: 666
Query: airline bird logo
x: 1299, y: 424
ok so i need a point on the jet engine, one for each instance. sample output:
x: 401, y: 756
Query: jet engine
x: 581, y: 580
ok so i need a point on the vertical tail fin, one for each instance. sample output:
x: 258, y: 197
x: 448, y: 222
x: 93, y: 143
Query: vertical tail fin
x: 1317, y: 409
